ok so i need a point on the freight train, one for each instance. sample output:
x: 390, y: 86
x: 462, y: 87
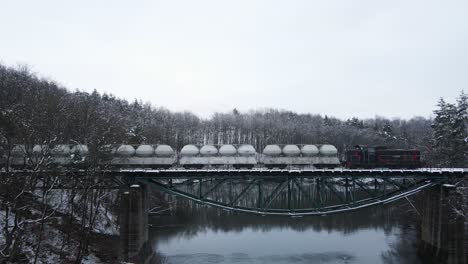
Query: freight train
x: 226, y: 156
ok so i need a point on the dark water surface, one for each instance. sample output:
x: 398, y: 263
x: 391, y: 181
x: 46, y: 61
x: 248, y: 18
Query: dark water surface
x: 197, y: 234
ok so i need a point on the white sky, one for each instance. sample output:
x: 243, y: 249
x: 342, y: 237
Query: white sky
x: 342, y: 58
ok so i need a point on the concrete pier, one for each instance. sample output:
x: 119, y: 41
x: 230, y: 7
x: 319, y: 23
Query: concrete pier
x: 134, y: 225
x: 444, y: 235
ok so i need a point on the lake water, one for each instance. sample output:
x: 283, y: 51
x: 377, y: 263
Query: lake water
x: 192, y: 233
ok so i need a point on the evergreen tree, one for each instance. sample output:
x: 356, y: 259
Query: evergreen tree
x: 442, y: 129
x: 450, y: 128
x: 460, y: 131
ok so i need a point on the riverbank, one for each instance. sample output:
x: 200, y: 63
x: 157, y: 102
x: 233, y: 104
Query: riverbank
x: 60, y: 230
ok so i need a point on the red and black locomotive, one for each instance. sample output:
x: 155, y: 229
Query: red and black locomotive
x: 382, y: 157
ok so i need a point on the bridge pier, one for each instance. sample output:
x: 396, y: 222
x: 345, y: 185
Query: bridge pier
x: 444, y: 235
x: 134, y: 243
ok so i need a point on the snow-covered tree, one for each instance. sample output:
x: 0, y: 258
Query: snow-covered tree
x: 450, y: 132
x: 442, y: 127
x: 460, y: 131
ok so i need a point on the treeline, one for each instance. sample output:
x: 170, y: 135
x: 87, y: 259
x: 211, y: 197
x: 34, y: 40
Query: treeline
x: 35, y: 110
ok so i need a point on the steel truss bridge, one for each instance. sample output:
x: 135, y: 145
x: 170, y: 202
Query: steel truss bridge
x: 291, y: 192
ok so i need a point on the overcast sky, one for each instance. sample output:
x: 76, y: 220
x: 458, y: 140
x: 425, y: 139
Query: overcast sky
x: 341, y: 58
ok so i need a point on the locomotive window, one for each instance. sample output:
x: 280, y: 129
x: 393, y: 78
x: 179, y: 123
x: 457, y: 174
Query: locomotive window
x: 355, y: 156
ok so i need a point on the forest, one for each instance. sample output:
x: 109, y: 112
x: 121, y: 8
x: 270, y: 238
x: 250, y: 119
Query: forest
x: 36, y: 110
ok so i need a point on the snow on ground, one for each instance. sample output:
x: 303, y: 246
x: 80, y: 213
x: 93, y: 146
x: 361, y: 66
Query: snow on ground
x: 106, y: 223
x: 106, y: 220
x: 91, y: 259
x: 2, y: 225
x: 52, y: 239
x: 50, y: 247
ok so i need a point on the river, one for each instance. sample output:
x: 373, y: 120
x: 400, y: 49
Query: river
x: 196, y: 234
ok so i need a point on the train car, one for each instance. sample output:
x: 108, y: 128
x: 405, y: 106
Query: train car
x: 18, y: 156
x: 59, y: 155
x: 228, y: 155
x: 308, y: 155
x: 152, y: 156
x: 23, y: 156
x: 382, y: 157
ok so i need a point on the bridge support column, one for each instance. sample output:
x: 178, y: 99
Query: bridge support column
x: 443, y: 232
x: 134, y: 225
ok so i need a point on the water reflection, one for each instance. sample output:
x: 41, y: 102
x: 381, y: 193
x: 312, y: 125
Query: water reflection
x: 192, y: 233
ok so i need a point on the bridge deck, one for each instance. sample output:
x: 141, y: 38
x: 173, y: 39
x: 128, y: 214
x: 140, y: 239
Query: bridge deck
x: 262, y: 172
x: 174, y: 173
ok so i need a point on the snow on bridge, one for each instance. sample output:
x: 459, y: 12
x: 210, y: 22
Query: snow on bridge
x: 337, y: 172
